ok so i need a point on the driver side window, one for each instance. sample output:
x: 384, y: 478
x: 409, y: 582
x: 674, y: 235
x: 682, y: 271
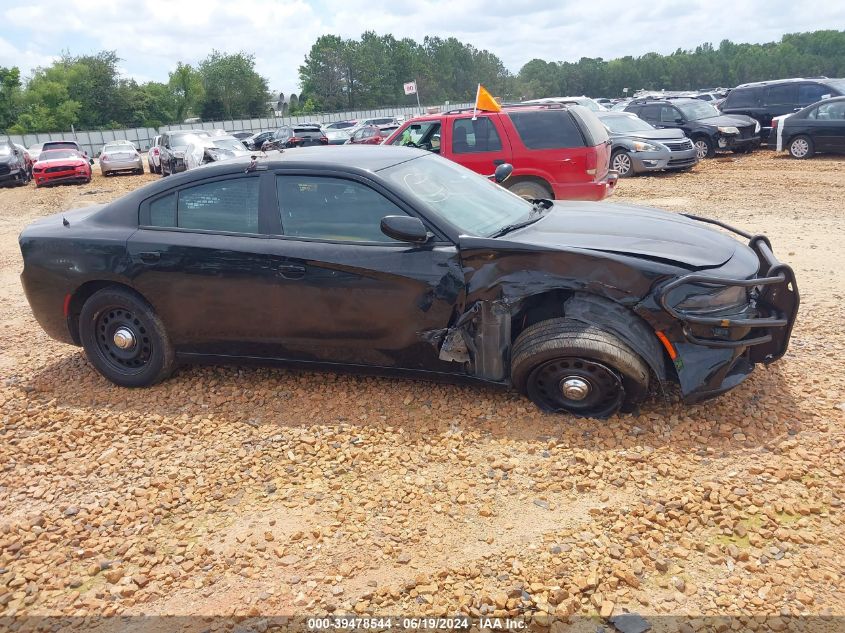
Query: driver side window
x: 332, y: 209
x: 668, y: 114
x: 425, y: 135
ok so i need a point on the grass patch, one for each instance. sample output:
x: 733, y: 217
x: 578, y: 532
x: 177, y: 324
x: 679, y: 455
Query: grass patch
x: 733, y: 539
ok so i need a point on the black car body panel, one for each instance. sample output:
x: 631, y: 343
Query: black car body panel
x: 765, y: 100
x: 666, y: 114
x: 822, y: 123
x: 451, y: 306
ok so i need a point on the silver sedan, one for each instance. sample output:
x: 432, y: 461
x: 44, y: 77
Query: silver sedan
x: 122, y: 156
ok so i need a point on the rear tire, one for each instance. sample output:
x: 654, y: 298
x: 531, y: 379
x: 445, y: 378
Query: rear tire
x: 801, y: 147
x: 530, y: 190
x: 568, y: 366
x: 111, y: 310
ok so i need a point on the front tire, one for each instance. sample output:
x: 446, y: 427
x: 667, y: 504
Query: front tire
x: 801, y: 147
x: 704, y: 147
x: 530, y: 190
x: 568, y: 366
x: 621, y: 162
x: 124, y: 339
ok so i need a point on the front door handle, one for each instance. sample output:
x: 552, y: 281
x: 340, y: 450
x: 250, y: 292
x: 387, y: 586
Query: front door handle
x: 150, y: 257
x: 291, y: 271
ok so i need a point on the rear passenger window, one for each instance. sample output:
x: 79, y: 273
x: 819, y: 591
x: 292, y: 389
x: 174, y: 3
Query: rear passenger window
x: 163, y: 211
x: 744, y: 98
x: 547, y: 129
x: 810, y: 93
x: 781, y: 95
x: 229, y: 206
x: 332, y: 209
x: 470, y: 136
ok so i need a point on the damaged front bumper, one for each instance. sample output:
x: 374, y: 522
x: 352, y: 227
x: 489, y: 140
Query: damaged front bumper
x: 718, y: 352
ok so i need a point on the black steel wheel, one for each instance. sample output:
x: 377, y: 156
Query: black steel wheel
x: 572, y: 367
x: 578, y: 385
x: 124, y: 339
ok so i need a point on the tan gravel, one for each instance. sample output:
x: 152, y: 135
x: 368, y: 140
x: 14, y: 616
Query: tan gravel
x: 231, y: 490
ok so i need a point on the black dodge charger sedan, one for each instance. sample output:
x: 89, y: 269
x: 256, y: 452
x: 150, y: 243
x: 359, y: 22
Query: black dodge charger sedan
x: 396, y: 260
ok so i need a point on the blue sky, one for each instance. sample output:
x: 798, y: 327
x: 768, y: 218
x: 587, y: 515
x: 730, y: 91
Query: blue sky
x: 150, y: 36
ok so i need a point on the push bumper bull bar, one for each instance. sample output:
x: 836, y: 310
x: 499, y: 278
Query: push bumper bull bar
x: 775, y: 295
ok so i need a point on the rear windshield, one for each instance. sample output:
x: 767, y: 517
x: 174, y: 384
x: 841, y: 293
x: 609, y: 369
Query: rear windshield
x: 60, y: 145
x: 306, y: 130
x: 182, y: 139
x: 119, y: 147
x: 547, y: 129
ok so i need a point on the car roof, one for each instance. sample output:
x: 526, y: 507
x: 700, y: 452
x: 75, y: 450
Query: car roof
x: 531, y: 107
x: 791, y: 80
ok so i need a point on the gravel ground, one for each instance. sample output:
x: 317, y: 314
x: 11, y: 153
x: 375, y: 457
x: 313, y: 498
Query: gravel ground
x: 242, y: 491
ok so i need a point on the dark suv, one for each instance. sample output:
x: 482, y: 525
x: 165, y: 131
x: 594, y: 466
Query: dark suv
x: 709, y: 130
x: 764, y: 100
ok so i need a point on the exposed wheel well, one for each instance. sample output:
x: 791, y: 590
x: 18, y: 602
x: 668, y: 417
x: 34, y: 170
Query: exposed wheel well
x: 81, y: 295
x: 601, y: 312
x: 535, y: 179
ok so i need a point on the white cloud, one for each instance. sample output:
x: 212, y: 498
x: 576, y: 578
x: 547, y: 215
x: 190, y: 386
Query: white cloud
x: 152, y: 36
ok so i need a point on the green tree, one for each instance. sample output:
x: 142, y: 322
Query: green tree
x: 232, y: 87
x: 186, y: 86
x: 10, y: 95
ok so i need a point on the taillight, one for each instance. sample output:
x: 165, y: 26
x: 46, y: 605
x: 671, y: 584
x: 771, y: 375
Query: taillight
x: 324, y: 140
x: 104, y: 157
x: 774, y: 122
x: 295, y: 139
x: 592, y: 161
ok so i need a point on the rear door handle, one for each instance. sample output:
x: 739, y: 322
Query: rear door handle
x: 150, y: 257
x: 291, y: 271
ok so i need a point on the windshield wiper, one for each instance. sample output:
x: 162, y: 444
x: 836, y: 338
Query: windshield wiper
x: 536, y: 214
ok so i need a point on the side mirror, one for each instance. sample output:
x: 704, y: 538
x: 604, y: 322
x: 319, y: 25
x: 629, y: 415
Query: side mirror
x: 404, y: 228
x: 503, y: 172
x: 679, y: 120
x: 90, y: 161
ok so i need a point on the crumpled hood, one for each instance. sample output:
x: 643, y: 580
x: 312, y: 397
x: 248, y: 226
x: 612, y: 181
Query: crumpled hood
x: 628, y: 229
x: 728, y: 120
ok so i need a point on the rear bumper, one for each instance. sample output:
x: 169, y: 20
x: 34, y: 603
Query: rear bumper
x: 122, y: 165
x: 716, y: 353
x: 595, y: 190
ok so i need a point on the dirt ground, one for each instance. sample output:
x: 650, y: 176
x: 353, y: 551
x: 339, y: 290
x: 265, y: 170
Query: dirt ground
x: 231, y: 490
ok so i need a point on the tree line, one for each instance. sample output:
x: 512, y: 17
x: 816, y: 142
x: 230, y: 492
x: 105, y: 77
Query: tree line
x: 88, y: 92
x: 339, y: 74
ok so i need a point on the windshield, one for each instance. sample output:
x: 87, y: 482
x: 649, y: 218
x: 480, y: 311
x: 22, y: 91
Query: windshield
x: 5, y: 149
x: 50, y: 154
x: 694, y: 110
x: 470, y: 202
x: 229, y: 143
x: 839, y: 84
x: 623, y: 124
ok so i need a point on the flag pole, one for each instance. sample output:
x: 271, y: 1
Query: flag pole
x: 475, y: 105
x: 417, y: 92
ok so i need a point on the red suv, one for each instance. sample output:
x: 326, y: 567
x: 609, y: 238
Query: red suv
x: 560, y: 152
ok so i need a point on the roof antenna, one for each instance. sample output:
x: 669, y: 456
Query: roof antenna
x: 64, y: 221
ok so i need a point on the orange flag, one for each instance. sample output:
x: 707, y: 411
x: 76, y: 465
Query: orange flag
x: 485, y: 101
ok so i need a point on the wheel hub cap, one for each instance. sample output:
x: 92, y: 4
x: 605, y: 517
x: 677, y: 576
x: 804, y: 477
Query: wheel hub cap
x: 575, y: 388
x: 124, y: 338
